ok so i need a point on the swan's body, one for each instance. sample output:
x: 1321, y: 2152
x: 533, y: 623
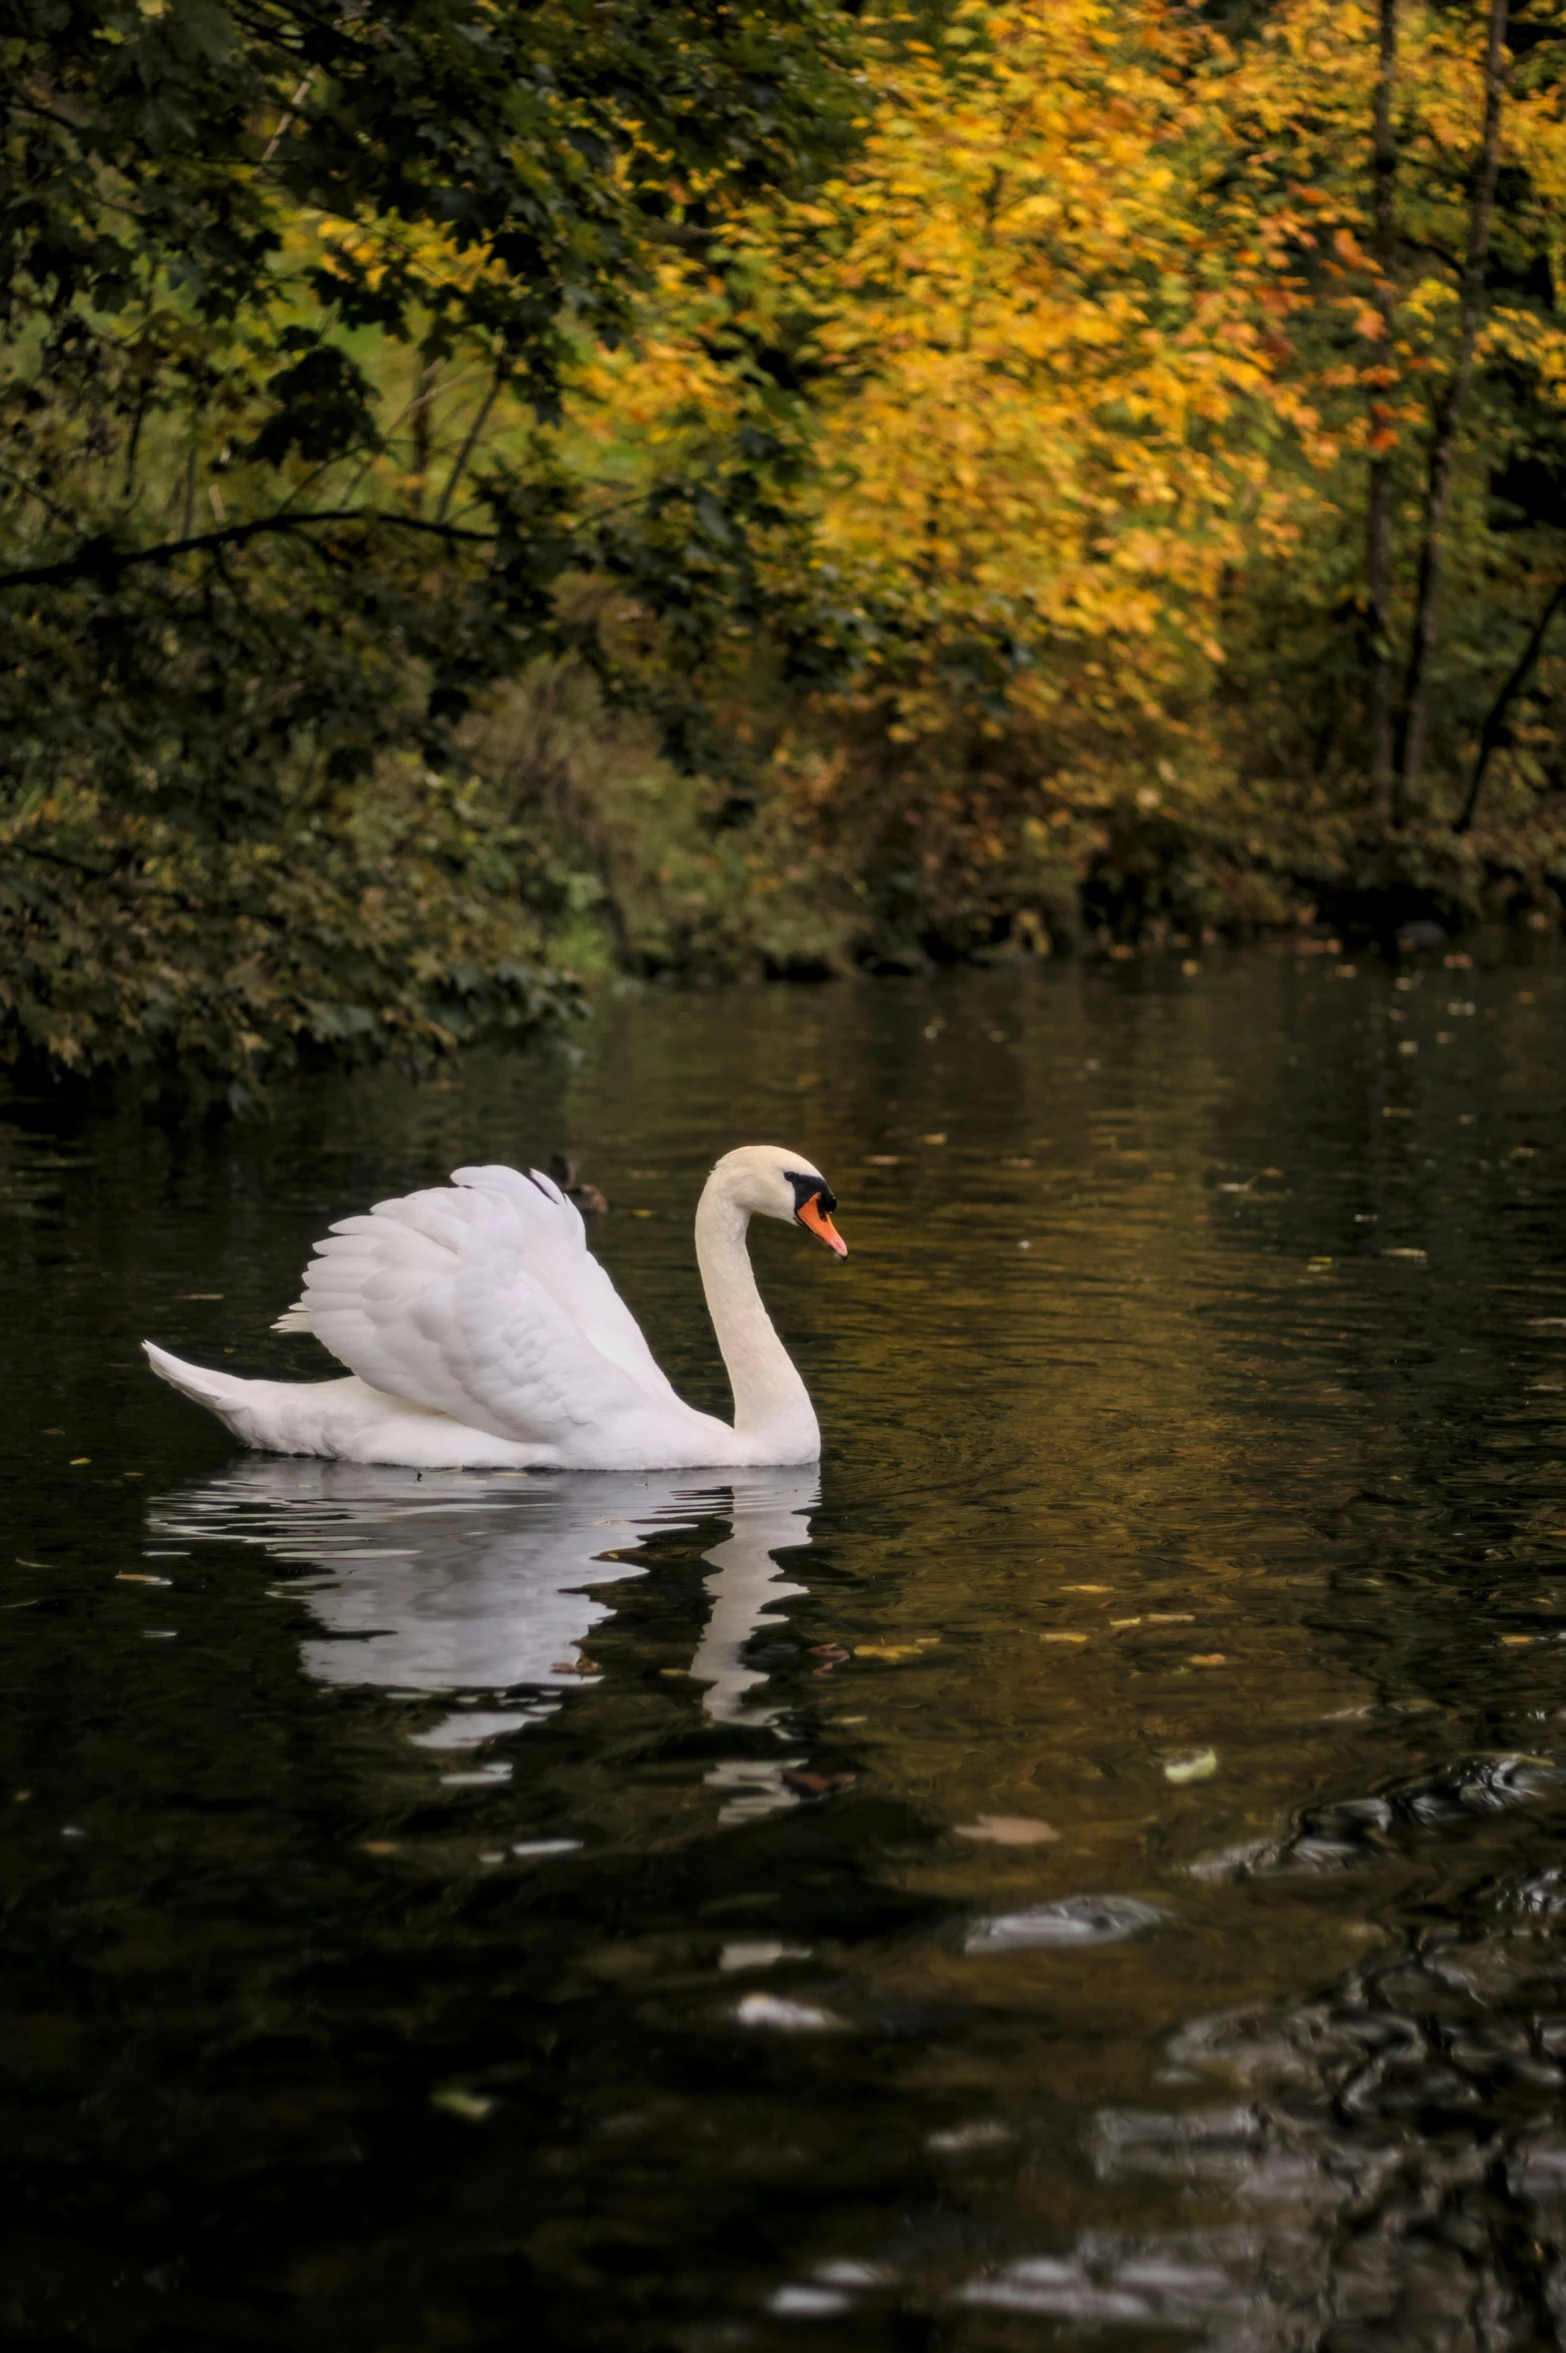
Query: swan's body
x: 479, y: 1331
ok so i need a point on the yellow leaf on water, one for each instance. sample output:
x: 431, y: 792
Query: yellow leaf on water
x: 1209, y: 1658
x: 1200, y: 1765
x: 1062, y: 1638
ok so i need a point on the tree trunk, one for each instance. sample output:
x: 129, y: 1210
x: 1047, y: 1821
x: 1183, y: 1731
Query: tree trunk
x: 1448, y: 418
x: 1379, y: 536
x: 1495, y: 725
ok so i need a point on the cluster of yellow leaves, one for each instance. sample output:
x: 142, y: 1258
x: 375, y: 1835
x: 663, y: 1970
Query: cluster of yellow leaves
x: 1042, y: 385
x: 1297, y: 106
x: 1039, y: 427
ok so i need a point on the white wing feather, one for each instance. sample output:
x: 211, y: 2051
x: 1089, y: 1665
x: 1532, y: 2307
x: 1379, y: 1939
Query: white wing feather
x: 482, y: 1300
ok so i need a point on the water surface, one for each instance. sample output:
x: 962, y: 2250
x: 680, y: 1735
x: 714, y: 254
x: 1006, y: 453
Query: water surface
x: 1085, y: 1864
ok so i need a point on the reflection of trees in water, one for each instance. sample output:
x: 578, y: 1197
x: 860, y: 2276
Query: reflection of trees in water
x: 1390, y: 2164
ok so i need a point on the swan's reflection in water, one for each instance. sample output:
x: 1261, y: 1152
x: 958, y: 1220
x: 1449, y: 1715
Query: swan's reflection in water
x: 475, y: 1583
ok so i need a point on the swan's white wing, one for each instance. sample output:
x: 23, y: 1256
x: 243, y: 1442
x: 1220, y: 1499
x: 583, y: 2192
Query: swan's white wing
x: 482, y: 1300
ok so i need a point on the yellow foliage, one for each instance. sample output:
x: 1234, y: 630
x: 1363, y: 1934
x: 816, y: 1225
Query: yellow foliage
x: 1042, y: 386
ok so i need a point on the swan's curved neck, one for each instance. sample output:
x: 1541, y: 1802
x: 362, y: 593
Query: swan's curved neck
x: 772, y: 1407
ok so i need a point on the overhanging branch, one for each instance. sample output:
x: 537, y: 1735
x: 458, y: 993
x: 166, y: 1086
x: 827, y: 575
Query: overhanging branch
x: 100, y: 559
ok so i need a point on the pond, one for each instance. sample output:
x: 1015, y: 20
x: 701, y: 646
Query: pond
x: 1087, y: 1863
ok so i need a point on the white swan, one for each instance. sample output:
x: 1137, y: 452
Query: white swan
x: 480, y: 1332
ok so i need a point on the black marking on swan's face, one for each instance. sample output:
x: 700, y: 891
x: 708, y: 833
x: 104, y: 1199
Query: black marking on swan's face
x: 810, y: 1188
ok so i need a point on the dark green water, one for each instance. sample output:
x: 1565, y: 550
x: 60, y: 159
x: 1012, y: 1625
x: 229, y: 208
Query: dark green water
x: 487, y: 1911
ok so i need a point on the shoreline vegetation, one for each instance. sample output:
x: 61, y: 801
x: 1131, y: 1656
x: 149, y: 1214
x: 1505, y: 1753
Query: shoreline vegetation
x: 497, y: 496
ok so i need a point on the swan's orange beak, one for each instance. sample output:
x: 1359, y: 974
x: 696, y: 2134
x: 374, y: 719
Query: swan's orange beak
x: 812, y: 1214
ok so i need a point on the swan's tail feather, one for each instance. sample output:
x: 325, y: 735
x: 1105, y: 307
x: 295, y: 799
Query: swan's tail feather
x: 221, y: 1393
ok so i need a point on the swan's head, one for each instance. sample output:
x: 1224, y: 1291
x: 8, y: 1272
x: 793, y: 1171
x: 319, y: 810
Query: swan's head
x: 769, y: 1182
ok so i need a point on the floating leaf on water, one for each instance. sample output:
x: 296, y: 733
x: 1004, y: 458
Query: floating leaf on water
x: 1416, y: 1257
x: 759, y: 1952
x: 1171, y: 1617
x: 79, y: 1461
x: 1117, y: 1624
x: 895, y: 1650
x: 940, y: 1139
x: 1087, y: 1589
x: 770, y: 2010
x: 1516, y: 1641
x: 1208, y: 1658
x: 1198, y: 1765
x: 378, y: 1846
x: 546, y: 1846
x: 883, y: 1160
x: 1008, y: 1830
x: 1055, y: 1637
x: 1075, y: 1921
x: 472, y: 2107
x: 135, y: 1577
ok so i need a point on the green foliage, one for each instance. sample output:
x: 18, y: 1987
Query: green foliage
x: 231, y: 592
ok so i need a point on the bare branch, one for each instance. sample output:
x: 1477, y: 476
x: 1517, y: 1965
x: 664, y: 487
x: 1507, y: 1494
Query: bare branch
x: 98, y: 559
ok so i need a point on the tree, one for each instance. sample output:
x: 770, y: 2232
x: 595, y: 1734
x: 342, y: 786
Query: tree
x: 227, y: 594
x: 1448, y: 417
